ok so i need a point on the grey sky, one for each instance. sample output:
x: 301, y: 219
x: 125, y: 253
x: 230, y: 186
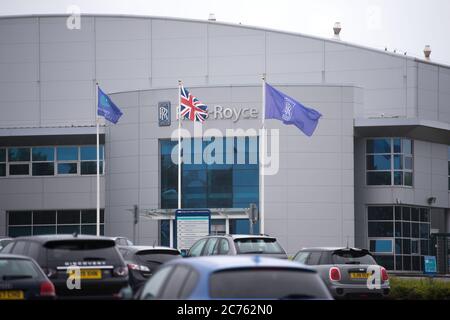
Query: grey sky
x: 405, y: 25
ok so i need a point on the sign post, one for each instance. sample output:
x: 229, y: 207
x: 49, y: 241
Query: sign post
x: 191, y: 226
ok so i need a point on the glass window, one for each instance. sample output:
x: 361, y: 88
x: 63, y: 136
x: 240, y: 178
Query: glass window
x: 2, y: 169
x: 90, y: 167
x: 19, y: 169
x: 155, y: 284
x: 380, y: 213
x: 90, y: 152
x: 414, y: 246
x: 386, y: 261
x: 43, y: 154
x: 67, y: 153
x: 381, y: 246
x: 41, y: 230
x: 69, y: 217
x: 2, y: 155
x: 43, y: 169
x: 18, y: 154
x: 381, y: 229
x: 386, y: 166
x: 18, y: 218
x: 44, y: 217
x: 19, y: 231
x: 406, y: 229
x: 67, y: 168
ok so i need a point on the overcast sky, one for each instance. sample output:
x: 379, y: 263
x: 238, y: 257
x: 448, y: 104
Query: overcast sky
x: 404, y: 25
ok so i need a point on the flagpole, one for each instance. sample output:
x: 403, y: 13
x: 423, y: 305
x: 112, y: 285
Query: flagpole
x: 179, y: 144
x: 98, y: 162
x: 262, y: 158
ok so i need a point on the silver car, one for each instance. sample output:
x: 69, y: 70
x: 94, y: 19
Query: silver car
x: 347, y: 272
x: 4, y: 242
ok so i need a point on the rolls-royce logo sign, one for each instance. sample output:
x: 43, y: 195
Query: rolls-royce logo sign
x: 164, y: 113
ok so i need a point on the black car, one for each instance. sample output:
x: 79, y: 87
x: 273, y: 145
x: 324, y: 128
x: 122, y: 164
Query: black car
x: 236, y: 244
x: 21, y: 278
x: 96, y: 260
x: 143, y: 261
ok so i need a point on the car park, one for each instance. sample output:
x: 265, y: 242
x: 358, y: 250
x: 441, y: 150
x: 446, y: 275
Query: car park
x: 4, y: 242
x: 237, y: 245
x: 347, y: 272
x: 143, y: 261
x: 95, y: 261
x: 234, y: 277
x: 21, y: 278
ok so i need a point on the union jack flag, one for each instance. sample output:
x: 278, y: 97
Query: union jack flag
x: 191, y: 107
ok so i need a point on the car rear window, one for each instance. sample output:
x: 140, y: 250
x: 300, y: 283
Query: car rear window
x: 11, y: 269
x: 82, y: 250
x: 352, y: 257
x: 270, y: 283
x: 258, y: 245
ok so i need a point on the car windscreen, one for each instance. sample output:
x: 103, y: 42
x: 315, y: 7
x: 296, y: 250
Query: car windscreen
x: 266, y: 283
x: 154, y: 258
x: 352, y: 257
x: 14, y: 269
x: 258, y: 245
x: 97, y: 251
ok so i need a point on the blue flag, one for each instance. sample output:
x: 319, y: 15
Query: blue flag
x: 282, y: 107
x: 107, y: 108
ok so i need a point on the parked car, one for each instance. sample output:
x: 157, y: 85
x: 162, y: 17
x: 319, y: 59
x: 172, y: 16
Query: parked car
x: 122, y: 241
x: 238, y: 277
x: 103, y: 272
x: 143, y: 261
x: 345, y: 271
x: 21, y: 278
x: 234, y: 244
x: 4, y: 242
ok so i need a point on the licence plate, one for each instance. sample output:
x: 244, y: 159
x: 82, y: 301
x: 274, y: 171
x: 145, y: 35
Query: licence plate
x: 359, y: 275
x: 11, y: 295
x: 90, y: 274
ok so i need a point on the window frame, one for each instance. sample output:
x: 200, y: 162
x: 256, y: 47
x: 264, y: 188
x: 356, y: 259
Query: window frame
x: 392, y: 169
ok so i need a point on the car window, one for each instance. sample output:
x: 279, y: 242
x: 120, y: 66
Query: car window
x: 15, y: 268
x: 258, y: 245
x: 196, y: 249
x: 267, y: 283
x: 352, y: 257
x: 302, y: 257
x: 224, y: 246
x: 174, y: 283
x: 189, y: 285
x: 33, y: 250
x: 209, y: 248
x: 8, y: 248
x: 20, y: 247
x: 156, y: 282
x: 314, y: 258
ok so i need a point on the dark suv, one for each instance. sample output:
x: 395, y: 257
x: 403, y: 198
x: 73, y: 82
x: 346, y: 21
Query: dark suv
x: 102, y: 270
x: 235, y: 244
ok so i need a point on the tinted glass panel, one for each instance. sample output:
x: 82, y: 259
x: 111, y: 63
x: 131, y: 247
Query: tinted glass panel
x: 406, y: 246
x: 2, y: 155
x: 90, y: 167
x: 90, y: 153
x: 349, y: 257
x: 379, y: 146
x: 398, y: 229
x: 398, y: 246
x: 19, y: 169
x: 408, y: 178
x: 70, y: 229
x: 266, y: 284
x: 41, y: 230
x: 415, y: 215
x: 78, y: 250
x: 19, y: 231
x: 19, y: 218
x: 43, y: 169
x: 2, y: 169
x: 406, y: 262
x: 398, y: 162
x: 406, y: 228
x: 398, y: 178
x: 43, y: 154
x: 380, y: 213
x: 67, y: 153
x: 18, y: 154
x: 257, y: 245
x: 385, y: 261
x: 91, y: 229
x: 11, y: 268
x: 406, y: 213
x: 44, y: 217
x: 381, y: 246
x: 67, y: 168
x: 381, y: 229
x: 378, y: 162
x: 90, y: 216
x: 407, y: 146
x: 69, y: 217
x: 397, y: 146
x: 378, y: 178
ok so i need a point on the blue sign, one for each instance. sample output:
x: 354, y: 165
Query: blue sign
x: 191, y: 225
x: 430, y: 264
x: 164, y: 113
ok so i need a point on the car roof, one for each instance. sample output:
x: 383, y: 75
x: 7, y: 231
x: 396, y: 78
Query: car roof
x: 55, y: 237
x: 242, y: 236
x: 147, y: 248
x: 13, y: 256
x: 220, y: 263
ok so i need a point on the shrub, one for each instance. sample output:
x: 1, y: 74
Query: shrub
x: 419, y: 289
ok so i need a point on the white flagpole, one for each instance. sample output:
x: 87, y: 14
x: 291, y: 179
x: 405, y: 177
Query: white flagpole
x: 262, y: 158
x: 98, y: 161
x: 179, y: 144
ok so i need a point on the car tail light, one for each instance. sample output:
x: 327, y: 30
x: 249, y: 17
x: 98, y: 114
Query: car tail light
x: 335, y: 274
x: 384, y: 274
x: 120, y: 271
x: 133, y: 266
x: 47, y: 289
